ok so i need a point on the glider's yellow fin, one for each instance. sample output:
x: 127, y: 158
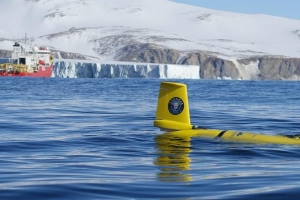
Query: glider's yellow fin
x: 173, y: 107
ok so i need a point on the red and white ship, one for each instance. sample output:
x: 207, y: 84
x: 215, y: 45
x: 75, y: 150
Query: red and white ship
x: 35, y: 62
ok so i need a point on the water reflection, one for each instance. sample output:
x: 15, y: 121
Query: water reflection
x: 173, y: 158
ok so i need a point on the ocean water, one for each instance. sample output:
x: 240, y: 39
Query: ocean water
x: 94, y: 139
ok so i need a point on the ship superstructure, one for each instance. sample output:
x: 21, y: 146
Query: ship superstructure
x: 34, y: 61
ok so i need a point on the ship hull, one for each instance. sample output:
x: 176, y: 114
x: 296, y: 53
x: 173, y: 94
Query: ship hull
x: 44, y: 72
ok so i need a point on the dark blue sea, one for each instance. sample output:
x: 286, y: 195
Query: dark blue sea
x: 94, y: 139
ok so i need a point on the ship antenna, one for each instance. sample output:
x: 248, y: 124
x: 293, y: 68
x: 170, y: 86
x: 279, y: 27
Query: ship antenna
x: 25, y: 42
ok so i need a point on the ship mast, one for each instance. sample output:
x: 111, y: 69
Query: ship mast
x: 25, y: 42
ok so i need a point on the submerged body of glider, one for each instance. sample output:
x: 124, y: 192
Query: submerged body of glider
x: 173, y: 116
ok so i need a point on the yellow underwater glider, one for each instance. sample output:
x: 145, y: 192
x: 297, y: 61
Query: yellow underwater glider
x: 173, y: 116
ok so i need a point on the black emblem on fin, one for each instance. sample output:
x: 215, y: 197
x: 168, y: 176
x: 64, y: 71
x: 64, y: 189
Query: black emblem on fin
x: 176, y: 106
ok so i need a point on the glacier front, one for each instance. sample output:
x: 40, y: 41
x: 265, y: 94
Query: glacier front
x: 64, y: 68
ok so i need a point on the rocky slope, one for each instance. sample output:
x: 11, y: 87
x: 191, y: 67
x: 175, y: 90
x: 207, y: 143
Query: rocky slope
x: 213, y: 67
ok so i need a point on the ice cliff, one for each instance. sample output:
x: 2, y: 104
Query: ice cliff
x: 94, y: 69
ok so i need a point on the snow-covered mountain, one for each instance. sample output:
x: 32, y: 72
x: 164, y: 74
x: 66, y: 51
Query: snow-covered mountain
x: 101, y: 28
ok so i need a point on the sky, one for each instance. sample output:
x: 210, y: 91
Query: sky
x: 281, y: 8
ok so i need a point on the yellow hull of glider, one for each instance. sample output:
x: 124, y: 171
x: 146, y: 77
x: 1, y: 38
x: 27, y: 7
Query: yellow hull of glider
x: 234, y: 136
x: 173, y: 115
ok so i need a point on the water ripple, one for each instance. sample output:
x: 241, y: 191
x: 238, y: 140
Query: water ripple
x: 94, y: 139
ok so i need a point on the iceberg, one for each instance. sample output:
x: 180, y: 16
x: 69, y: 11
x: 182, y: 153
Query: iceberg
x: 64, y: 68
